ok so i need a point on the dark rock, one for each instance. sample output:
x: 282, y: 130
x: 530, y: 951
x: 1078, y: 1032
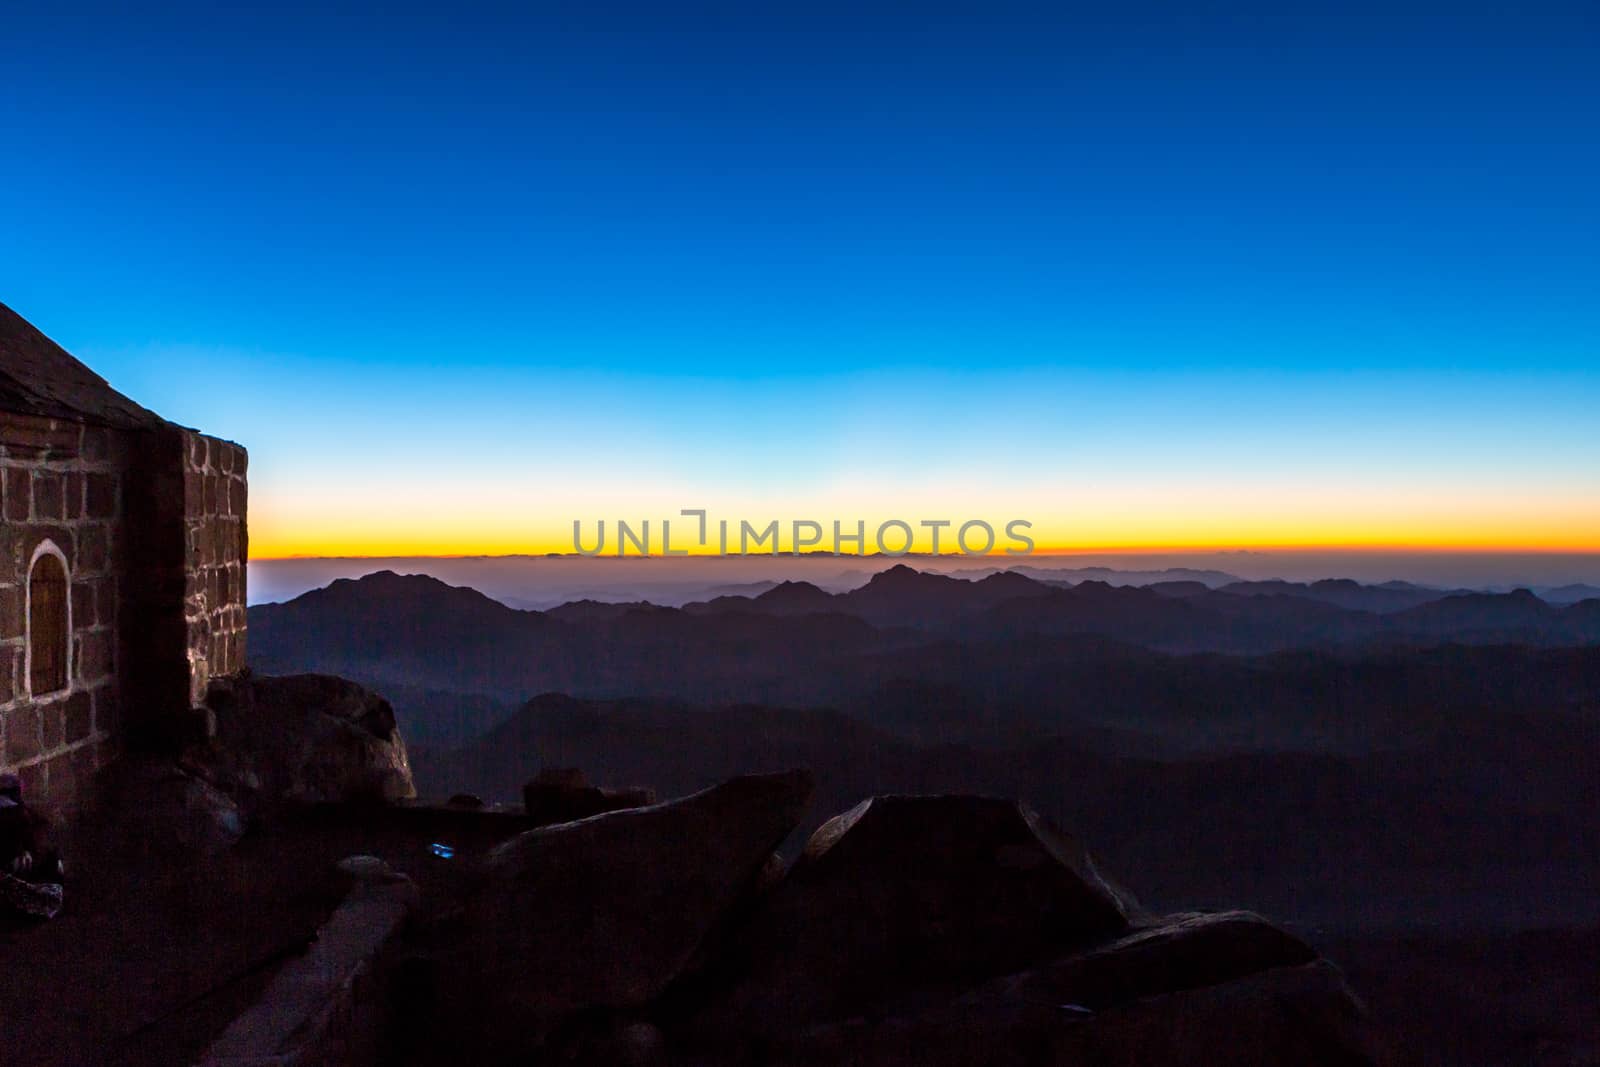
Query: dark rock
x: 605, y: 912
x: 158, y: 807
x: 772, y: 873
x: 909, y: 893
x: 182, y: 729
x: 1297, y: 1016
x: 29, y: 898
x: 465, y: 801
x: 205, y: 819
x: 624, y: 1044
x: 630, y: 797
x: 306, y: 738
x: 564, y: 795
x: 1181, y: 952
x: 1303, y: 1016
x: 24, y: 830
x: 31, y: 871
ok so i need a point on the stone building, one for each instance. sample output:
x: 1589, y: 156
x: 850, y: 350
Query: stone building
x: 122, y: 567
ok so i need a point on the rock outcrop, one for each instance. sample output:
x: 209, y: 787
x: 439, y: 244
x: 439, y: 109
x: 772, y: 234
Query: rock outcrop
x: 1178, y: 952
x: 1293, y: 1016
x: 257, y: 745
x: 906, y: 893
x: 1086, y: 1007
x: 935, y: 931
x: 946, y: 931
x: 606, y: 912
x: 307, y: 738
x: 156, y: 806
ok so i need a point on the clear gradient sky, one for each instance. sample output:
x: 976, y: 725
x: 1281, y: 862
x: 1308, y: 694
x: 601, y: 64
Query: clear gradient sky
x: 459, y: 279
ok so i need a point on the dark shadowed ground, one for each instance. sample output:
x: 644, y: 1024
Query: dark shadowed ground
x: 146, y: 965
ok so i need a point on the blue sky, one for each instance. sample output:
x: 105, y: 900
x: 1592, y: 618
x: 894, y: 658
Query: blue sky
x: 1219, y: 280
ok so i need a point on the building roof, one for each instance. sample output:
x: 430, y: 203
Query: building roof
x: 38, y: 377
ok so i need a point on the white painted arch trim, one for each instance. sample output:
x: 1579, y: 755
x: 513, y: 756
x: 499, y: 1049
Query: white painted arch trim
x: 46, y: 547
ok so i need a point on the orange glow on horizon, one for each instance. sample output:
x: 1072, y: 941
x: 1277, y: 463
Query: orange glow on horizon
x: 1067, y: 516
x: 1132, y: 520
x: 361, y: 548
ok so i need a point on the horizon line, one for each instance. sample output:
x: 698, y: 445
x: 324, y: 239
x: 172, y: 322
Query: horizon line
x: 1048, y: 553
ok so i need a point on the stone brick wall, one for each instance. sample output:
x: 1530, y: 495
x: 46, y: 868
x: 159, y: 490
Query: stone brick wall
x: 63, y: 483
x: 217, y: 545
x: 151, y: 527
x: 188, y: 544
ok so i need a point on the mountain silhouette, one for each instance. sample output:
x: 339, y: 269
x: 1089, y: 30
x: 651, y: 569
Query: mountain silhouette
x: 795, y: 643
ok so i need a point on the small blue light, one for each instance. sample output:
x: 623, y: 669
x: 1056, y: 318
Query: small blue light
x: 444, y: 852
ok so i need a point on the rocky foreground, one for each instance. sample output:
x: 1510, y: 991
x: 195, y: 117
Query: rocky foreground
x: 912, y: 930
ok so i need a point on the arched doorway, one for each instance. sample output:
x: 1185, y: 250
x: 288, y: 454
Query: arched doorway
x: 48, y: 625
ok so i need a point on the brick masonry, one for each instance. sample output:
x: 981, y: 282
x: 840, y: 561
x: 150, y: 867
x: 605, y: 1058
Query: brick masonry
x: 217, y: 541
x: 61, y: 483
x: 151, y: 526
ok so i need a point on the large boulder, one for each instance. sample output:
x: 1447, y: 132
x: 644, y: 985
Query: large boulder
x: 1187, y: 951
x: 910, y: 893
x: 1304, y: 1016
x: 306, y: 738
x: 605, y: 912
x: 151, y: 805
x: 1291, y: 1016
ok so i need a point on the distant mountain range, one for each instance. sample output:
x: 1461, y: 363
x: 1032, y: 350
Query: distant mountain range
x: 1109, y: 575
x: 1568, y: 594
x: 1175, y: 665
x: 798, y: 644
x: 548, y: 581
